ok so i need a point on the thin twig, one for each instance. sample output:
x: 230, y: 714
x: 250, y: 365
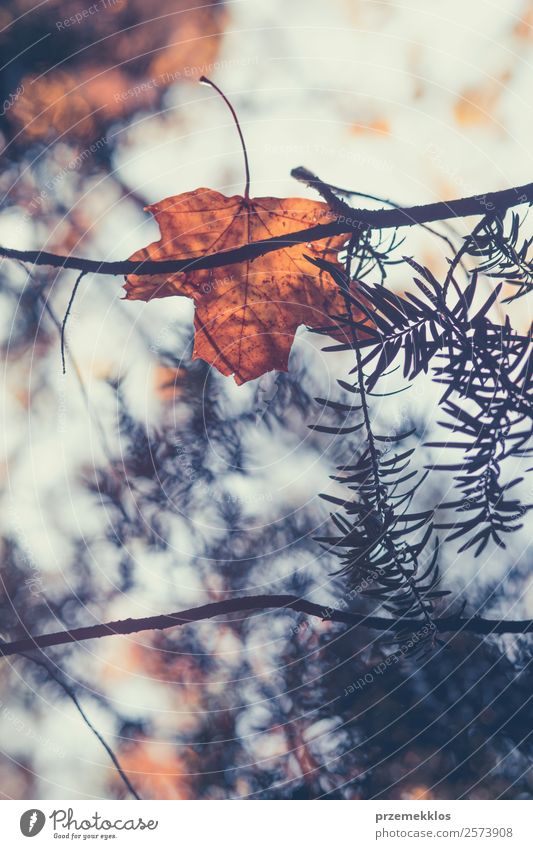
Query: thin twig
x: 72, y: 696
x: 65, y: 319
x: 77, y: 371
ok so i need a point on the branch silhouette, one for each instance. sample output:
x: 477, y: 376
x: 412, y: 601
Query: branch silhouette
x: 492, y: 203
x: 258, y: 603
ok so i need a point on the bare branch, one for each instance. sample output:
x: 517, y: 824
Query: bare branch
x: 247, y: 604
x: 495, y: 203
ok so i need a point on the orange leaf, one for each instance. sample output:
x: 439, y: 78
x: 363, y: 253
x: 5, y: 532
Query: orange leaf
x: 247, y: 313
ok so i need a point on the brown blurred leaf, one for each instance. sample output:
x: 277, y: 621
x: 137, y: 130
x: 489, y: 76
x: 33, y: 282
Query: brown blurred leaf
x: 96, y: 67
x: 477, y: 104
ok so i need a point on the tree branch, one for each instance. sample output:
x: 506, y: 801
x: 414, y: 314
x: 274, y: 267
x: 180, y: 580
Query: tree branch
x: 380, y: 219
x: 247, y: 604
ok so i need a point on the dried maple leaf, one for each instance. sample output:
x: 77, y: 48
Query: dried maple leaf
x: 246, y: 314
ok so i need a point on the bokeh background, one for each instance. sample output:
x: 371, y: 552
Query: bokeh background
x: 142, y: 482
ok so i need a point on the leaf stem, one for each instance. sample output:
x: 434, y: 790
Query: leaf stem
x: 219, y: 91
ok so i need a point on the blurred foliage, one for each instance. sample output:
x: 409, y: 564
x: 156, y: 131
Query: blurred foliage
x: 86, y: 65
